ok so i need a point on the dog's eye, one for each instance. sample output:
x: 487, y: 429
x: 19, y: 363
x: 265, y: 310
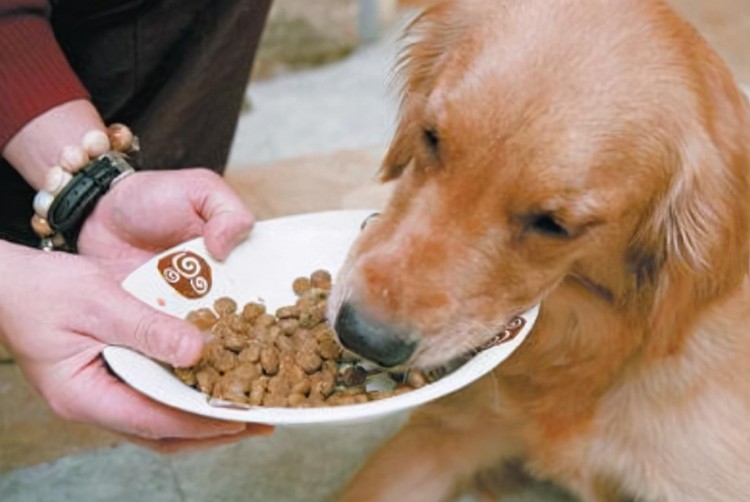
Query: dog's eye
x: 545, y: 224
x: 432, y: 139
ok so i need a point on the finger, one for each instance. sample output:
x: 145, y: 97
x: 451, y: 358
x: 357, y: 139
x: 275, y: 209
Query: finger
x: 118, y: 407
x: 125, y: 320
x: 224, y: 231
x: 228, y: 222
x: 172, y: 446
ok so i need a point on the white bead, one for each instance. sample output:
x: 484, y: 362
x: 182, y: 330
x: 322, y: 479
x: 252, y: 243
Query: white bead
x: 95, y: 143
x: 42, y: 202
x: 57, y: 178
x: 73, y: 158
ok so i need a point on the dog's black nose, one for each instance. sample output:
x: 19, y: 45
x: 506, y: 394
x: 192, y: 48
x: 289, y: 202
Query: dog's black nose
x: 372, y: 340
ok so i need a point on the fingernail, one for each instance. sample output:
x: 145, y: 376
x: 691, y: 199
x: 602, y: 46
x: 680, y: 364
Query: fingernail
x: 231, y: 236
x: 260, y: 429
x: 242, y: 224
x: 189, y: 348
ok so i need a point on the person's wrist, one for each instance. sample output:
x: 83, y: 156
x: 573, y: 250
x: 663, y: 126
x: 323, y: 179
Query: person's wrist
x: 36, y: 146
x: 73, y: 187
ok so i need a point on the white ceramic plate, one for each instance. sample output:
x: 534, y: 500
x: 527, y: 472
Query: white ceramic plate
x: 262, y: 269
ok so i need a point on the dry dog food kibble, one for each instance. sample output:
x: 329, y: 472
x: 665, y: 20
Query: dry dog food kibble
x: 286, y: 359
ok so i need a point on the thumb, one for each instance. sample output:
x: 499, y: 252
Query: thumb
x: 132, y: 323
x: 228, y: 222
x: 224, y: 230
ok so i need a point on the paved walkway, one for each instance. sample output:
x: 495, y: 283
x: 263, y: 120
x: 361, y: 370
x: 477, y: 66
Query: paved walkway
x: 343, y: 106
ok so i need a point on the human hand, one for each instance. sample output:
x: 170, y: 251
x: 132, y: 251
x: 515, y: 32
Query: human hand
x: 58, y: 311
x: 149, y: 212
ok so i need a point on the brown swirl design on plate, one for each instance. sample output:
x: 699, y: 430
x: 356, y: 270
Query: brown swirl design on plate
x: 188, y: 274
x: 512, y: 329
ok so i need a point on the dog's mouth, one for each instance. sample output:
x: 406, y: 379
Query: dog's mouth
x: 435, y: 372
x: 429, y: 358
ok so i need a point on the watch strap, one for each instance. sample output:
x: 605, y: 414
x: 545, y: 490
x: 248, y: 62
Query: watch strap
x: 78, y: 199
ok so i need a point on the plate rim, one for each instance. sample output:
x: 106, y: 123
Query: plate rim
x: 114, y: 355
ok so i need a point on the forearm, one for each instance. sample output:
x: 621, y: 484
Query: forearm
x: 41, y: 98
x: 35, y: 148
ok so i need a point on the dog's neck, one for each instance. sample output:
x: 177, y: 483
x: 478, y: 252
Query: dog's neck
x: 599, y: 290
x: 588, y: 339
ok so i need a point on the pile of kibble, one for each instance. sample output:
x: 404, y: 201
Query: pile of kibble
x: 290, y: 359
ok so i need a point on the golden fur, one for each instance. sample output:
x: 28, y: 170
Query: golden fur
x: 610, y: 121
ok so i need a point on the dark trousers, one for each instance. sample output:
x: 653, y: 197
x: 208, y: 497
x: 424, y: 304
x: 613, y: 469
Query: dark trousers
x: 175, y: 71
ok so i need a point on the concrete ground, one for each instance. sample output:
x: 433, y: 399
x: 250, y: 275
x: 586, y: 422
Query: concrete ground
x: 313, y: 140
x: 342, y: 106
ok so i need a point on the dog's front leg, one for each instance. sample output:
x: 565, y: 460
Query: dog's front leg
x: 443, y: 446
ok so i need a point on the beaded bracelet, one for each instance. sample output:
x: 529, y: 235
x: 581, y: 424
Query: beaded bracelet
x: 80, y: 175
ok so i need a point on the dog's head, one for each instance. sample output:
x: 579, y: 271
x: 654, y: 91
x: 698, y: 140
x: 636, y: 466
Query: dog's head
x: 598, y: 146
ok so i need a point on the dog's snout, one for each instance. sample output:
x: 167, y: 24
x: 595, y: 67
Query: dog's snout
x: 383, y: 344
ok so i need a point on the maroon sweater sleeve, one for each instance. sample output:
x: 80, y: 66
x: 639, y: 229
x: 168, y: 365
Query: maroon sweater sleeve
x: 34, y: 73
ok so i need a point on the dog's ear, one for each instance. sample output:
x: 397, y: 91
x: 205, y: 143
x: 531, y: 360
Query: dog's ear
x: 427, y: 42
x: 700, y: 224
x: 705, y: 223
x: 705, y: 217
x: 693, y: 248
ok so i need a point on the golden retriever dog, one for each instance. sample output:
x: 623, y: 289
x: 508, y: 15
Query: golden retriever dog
x: 591, y: 156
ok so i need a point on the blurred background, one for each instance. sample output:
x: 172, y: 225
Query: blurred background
x: 317, y: 118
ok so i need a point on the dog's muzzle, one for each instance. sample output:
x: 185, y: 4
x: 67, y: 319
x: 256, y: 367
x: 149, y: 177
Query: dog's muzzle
x: 380, y: 343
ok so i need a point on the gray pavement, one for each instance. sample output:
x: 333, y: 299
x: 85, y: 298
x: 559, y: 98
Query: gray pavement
x: 293, y: 465
x: 345, y: 105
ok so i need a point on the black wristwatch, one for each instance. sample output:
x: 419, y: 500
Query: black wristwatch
x: 78, y: 199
